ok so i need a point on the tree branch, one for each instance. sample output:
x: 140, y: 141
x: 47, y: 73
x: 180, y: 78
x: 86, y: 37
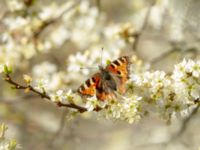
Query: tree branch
x: 45, y: 95
x: 49, y: 22
x: 185, y: 122
x: 59, y: 130
x: 144, y: 25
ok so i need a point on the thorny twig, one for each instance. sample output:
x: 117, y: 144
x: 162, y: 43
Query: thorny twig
x: 45, y: 95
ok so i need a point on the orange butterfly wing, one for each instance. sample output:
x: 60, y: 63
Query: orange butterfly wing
x: 120, y: 69
x: 93, y: 86
x: 88, y: 88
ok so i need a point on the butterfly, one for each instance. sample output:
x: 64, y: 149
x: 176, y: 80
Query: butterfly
x: 110, y: 79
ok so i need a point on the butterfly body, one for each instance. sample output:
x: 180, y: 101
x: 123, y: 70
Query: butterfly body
x: 110, y: 79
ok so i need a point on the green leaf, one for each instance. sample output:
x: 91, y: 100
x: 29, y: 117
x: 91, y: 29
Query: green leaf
x: 7, y: 69
x: 12, y: 145
x: 108, y: 62
x: 3, y: 129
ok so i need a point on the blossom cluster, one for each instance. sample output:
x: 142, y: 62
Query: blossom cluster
x: 169, y: 95
x: 148, y: 93
x: 27, y: 37
x: 158, y: 93
x: 43, y: 29
x: 27, y: 34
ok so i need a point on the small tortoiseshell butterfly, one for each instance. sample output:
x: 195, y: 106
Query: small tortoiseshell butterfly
x: 112, y: 78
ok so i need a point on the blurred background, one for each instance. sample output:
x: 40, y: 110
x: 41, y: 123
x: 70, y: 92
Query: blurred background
x: 51, y: 40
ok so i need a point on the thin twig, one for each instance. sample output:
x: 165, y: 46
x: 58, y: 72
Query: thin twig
x: 137, y: 35
x: 185, y: 123
x: 181, y: 130
x: 60, y: 129
x: 98, y: 4
x: 49, y: 22
x: 162, y: 56
x: 174, y: 48
x: 44, y: 95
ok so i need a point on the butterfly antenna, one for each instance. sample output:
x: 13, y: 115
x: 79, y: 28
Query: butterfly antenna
x: 102, y: 57
x: 88, y: 67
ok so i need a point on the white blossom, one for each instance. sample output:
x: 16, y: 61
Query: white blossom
x: 88, y: 30
x: 41, y: 85
x: 91, y: 103
x: 48, y: 11
x: 15, y: 5
x: 16, y: 23
x: 59, y: 36
x: 43, y: 69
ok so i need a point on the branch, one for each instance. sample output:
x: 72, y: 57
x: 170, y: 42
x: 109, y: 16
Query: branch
x: 98, y: 4
x: 174, y: 48
x: 59, y: 130
x: 49, y: 22
x: 179, y: 133
x: 185, y: 123
x: 144, y: 25
x: 45, y: 95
